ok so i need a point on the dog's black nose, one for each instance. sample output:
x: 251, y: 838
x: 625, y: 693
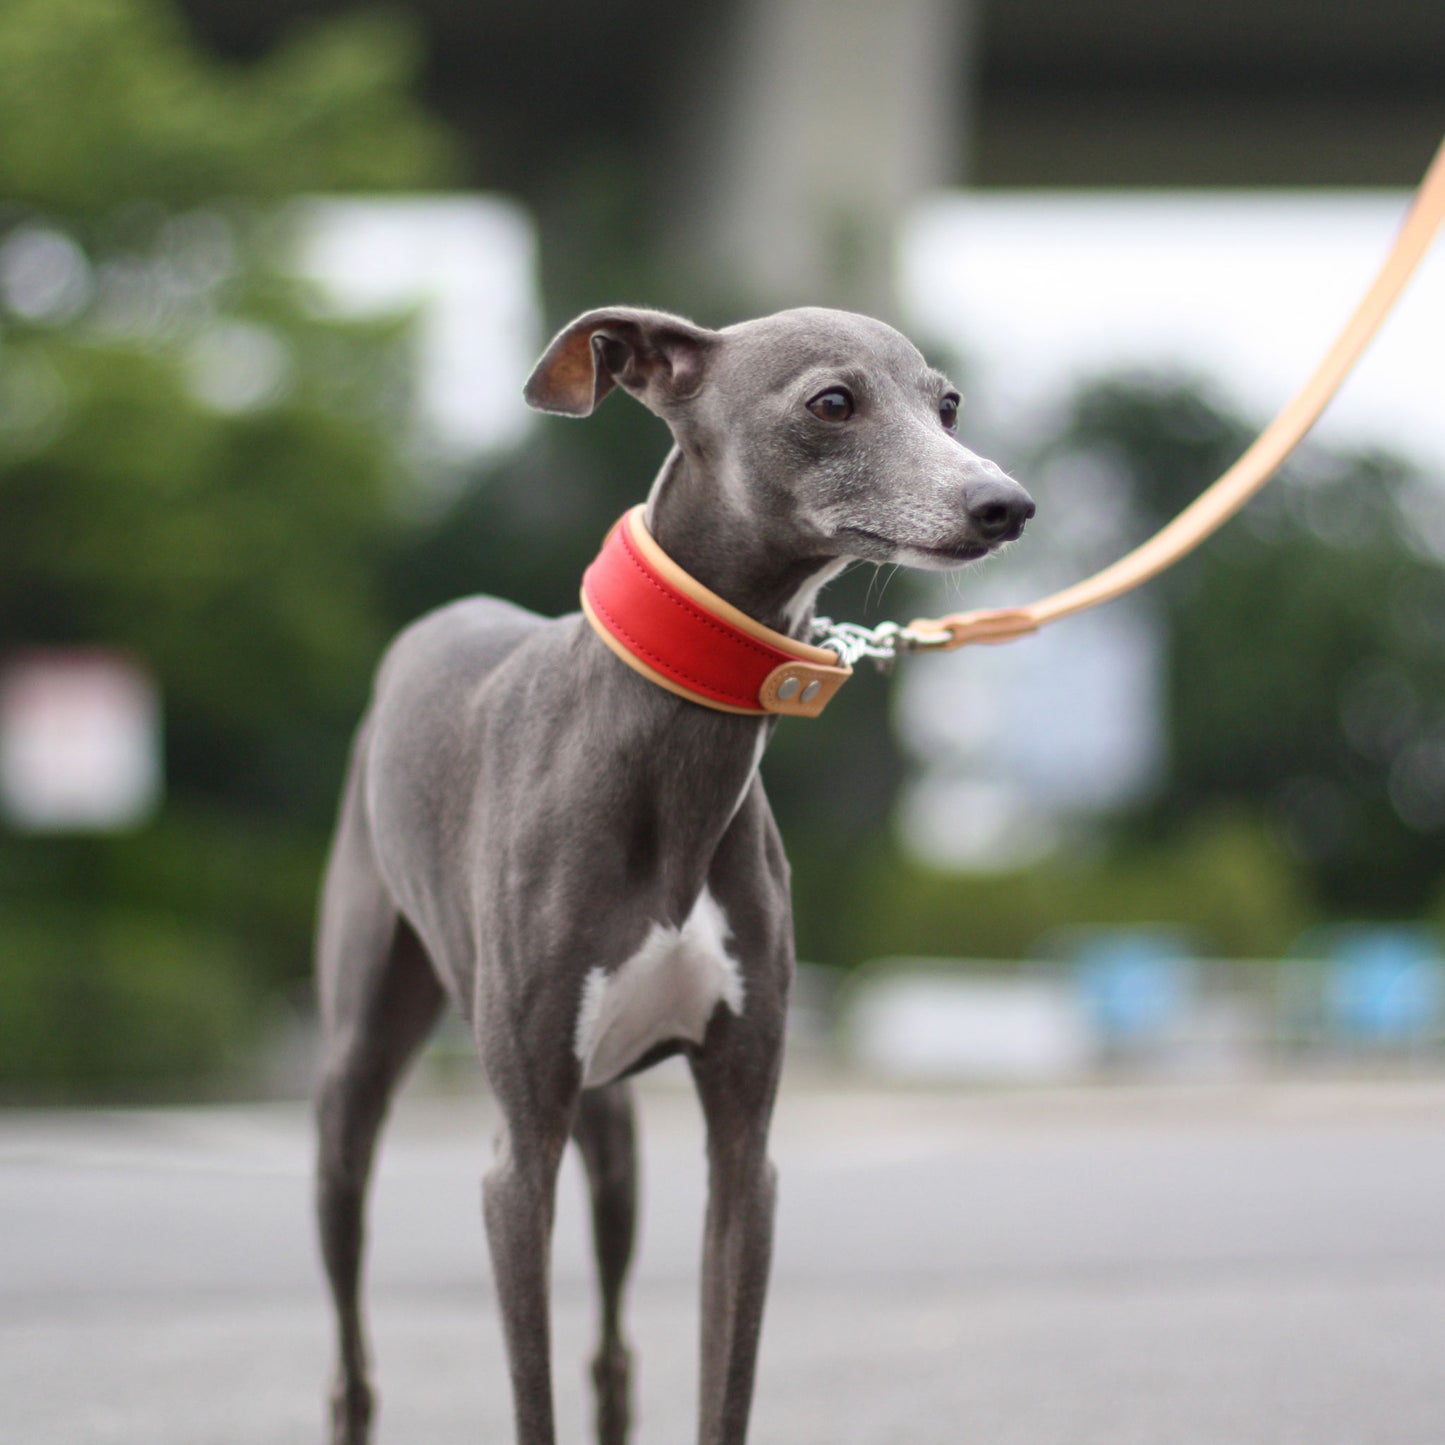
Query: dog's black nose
x: 998, y: 509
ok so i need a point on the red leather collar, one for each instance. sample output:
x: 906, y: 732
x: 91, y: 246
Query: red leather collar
x: 666, y: 625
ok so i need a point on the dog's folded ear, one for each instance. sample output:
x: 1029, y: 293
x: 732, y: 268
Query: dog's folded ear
x: 660, y: 359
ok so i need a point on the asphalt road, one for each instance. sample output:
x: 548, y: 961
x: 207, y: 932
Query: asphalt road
x: 1236, y: 1266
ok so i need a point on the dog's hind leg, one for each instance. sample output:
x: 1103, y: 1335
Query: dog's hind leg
x: 379, y: 999
x: 606, y: 1136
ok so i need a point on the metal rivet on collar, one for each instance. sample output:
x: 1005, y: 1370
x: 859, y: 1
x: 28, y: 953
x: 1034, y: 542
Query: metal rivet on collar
x: 809, y: 692
x: 789, y: 685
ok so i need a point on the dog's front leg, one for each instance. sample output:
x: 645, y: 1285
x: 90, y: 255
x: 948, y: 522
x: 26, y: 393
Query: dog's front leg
x: 607, y: 1138
x: 538, y: 1104
x: 736, y: 1088
x: 518, y: 1195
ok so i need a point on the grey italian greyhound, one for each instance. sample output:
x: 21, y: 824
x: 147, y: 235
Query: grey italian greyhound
x: 585, y: 864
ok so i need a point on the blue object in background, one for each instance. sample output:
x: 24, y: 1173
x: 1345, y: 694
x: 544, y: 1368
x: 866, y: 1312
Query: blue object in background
x: 1139, y: 985
x: 1384, y: 985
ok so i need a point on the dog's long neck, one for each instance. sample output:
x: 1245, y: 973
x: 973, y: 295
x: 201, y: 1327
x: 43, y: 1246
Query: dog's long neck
x: 692, y: 515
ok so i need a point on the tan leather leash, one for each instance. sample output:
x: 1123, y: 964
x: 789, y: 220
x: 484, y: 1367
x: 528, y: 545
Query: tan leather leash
x: 1212, y: 508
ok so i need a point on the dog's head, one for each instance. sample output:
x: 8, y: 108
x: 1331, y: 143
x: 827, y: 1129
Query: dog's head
x: 829, y: 425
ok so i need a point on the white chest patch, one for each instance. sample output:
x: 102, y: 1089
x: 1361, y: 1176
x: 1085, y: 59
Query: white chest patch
x: 668, y: 989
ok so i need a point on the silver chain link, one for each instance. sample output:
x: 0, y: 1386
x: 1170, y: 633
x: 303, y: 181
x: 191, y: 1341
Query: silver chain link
x: 853, y: 642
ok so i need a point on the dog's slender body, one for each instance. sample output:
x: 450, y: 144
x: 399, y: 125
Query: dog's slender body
x: 585, y: 864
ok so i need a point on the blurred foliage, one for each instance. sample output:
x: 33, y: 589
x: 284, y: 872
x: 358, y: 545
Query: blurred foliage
x: 99, y: 998
x: 109, y: 108
x: 1305, y: 646
x: 233, y: 552
x: 1225, y: 879
x: 199, y: 468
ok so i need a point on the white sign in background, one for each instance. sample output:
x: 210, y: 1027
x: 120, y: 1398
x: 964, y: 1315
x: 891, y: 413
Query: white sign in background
x: 80, y: 741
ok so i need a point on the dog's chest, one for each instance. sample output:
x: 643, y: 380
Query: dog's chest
x: 668, y: 989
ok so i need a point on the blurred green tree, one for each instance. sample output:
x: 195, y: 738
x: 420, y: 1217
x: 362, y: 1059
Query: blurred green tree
x: 1306, y: 645
x: 195, y: 467
x: 110, y: 115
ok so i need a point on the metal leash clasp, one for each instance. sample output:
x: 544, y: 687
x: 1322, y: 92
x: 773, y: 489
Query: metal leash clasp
x: 853, y: 642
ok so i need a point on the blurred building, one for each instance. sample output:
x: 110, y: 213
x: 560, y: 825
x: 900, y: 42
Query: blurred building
x: 827, y: 108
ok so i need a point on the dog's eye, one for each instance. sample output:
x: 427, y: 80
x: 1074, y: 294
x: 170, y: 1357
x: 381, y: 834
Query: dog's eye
x: 948, y: 412
x: 832, y: 405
